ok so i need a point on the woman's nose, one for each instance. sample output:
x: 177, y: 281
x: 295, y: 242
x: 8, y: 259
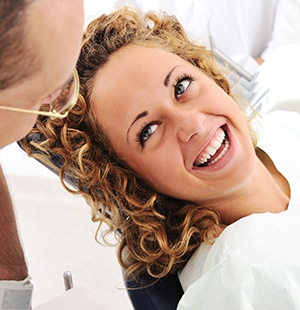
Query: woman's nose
x: 188, y: 124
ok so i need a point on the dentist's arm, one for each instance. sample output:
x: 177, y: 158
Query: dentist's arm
x: 15, y: 286
x: 12, y: 260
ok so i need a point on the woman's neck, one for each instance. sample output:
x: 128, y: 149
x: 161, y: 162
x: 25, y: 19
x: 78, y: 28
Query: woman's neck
x: 277, y: 176
x: 268, y: 191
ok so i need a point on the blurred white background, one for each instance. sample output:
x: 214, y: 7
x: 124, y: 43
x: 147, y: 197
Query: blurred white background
x: 55, y: 226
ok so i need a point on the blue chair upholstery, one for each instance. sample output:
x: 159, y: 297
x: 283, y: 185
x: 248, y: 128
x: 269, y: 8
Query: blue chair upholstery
x: 163, y: 294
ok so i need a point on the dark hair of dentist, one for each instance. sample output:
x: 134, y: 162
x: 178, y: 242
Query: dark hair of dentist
x: 160, y: 216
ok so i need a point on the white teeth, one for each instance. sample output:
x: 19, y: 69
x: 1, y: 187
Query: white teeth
x: 207, y: 156
x: 221, y: 154
x: 212, y: 148
x: 216, y: 144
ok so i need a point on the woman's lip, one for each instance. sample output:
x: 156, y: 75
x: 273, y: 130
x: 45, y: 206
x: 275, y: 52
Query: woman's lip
x: 225, y: 158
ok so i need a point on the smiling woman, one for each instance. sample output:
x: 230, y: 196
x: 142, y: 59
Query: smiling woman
x: 157, y: 143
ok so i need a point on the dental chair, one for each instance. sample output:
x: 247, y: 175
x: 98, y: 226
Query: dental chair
x: 163, y: 294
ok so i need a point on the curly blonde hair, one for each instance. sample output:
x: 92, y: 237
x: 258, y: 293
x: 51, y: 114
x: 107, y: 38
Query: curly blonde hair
x: 156, y: 234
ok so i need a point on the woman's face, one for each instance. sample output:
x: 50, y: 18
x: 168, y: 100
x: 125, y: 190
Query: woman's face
x: 173, y: 125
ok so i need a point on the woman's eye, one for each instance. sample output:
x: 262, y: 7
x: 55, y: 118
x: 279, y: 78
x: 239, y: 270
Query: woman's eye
x: 146, y: 132
x: 181, y: 87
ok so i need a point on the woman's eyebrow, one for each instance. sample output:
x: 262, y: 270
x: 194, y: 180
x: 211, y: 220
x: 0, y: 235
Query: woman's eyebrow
x: 143, y: 114
x: 167, y: 79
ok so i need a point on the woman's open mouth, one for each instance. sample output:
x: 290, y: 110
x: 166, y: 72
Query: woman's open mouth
x: 214, y: 151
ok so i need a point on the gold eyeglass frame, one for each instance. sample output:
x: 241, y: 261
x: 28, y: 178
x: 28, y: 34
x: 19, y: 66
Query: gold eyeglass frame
x: 63, y: 112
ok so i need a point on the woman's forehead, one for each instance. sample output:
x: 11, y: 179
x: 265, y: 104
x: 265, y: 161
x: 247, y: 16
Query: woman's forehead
x: 136, y: 62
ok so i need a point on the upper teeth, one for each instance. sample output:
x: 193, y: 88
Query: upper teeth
x: 212, y: 148
x: 221, y: 154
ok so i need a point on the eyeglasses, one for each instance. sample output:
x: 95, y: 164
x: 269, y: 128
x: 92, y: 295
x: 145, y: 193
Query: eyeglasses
x: 61, y: 105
